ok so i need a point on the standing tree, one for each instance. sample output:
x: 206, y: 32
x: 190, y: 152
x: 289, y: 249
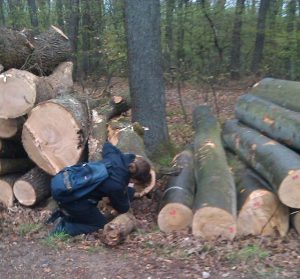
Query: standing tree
x: 145, y: 71
x: 260, y: 35
x: 33, y: 14
x: 235, y: 62
x: 2, y: 16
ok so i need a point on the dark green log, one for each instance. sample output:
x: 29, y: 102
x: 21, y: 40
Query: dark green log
x: 215, y: 201
x: 32, y: 187
x: 277, y: 164
x: 177, y: 201
x: 272, y: 120
x: 259, y: 210
x: 284, y: 93
x: 14, y: 165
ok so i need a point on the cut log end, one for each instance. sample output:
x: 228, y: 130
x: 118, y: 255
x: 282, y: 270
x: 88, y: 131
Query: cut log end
x: 18, y: 95
x: 57, y: 137
x: 211, y: 223
x: 24, y: 193
x: 289, y: 190
x: 174, y: 217
x: 7, y: 195
x: 263, y: 214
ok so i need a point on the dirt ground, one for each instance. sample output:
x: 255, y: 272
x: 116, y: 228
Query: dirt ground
x: 28, y: 252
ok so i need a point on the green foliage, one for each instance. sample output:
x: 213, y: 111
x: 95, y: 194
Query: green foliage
x: 247, y: 253
x: 53, y: 241
x: 29, y: 228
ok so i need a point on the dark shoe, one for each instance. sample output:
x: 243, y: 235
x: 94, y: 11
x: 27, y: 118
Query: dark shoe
x: 59, y: 226
x: 55, y: 214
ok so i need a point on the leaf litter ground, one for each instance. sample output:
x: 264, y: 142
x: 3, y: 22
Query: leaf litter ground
x: 28, y: 252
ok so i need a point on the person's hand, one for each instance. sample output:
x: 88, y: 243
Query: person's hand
x: 149, y: 188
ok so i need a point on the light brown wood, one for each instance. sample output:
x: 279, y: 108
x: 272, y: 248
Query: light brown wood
x: 17, y: 93
x: 6, y: 189
x: 212, y: 222
x: 55, y: 133
x: 118, y: 229
x: 10, y: 127
x: 32, y: 187
x: 174, y: 217
x: 295, y: 219
x: 263, y: 214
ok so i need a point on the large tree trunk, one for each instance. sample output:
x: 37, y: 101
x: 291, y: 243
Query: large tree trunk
x: 21, y: 90
x: 32, y: 187
x: 118, y: 229
x: 10, y: 128
x: 6, y: 188
x: 284, y: 93
x: 146, y: 75
x: 215, y: 201
x: 279, y: 165
x: 40, y: 54
x: 276, y: 122
x: 55, y: 133
x: 177, y: 201
x: 14, y: 165
x: 259, y: 210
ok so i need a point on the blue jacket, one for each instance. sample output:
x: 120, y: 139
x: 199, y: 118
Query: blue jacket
x: 115, y: 186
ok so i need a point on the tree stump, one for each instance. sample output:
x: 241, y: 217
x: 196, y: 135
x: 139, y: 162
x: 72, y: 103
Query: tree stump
x: 177, y: 201
x: 118, y: 229
x: 55, y: 133
x: 215, y: 200
x: 32, y: 187
x: 277, y: 164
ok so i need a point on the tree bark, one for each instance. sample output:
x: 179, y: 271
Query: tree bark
x: 277, y: 164
x: 118, y: 229
x: 32, y: 187
x: 284, y: 93
x: 295, y: 220
x: 11, y: 149
x: 177, y: 201
x: 55, y: 133
x: 259, y: 210
x: 215, y: 200
x: 6, y: 189
x: 8, y: 166
x: 146, y: 75
x: 274, y: 121
x: 33, y: 14
x: 10, y: 128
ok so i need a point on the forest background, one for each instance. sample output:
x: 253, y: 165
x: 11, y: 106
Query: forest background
x: 201, y: 40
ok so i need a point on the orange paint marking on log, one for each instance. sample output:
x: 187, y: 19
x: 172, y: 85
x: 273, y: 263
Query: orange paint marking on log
x: 295, y: 177
x: 172, y: 212
x: 231, y: 229
x: 257, y: 204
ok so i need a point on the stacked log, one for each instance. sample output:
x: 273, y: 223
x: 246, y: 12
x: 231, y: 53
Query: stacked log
x: 215, y: 200
x: 277, y: 164
x: 259, y: 210
x: 177, y: 201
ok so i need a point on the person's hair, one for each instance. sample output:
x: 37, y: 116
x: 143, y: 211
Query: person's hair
x: 140, y: 170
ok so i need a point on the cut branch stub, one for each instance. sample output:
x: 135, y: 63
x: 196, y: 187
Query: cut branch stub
x: 55, y: 133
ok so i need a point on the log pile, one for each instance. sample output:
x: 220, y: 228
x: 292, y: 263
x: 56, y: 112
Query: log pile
x: 265, y: 144
x: 44, y: 124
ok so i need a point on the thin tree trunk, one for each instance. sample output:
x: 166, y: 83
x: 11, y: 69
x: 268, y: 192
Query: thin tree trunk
x: 260, y: 35
x: 2, y: 15
x: 170, y: 5
x: 86, y: 44
x: 59, y: 9
x: 33, y: 14
x: 235, y: 63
